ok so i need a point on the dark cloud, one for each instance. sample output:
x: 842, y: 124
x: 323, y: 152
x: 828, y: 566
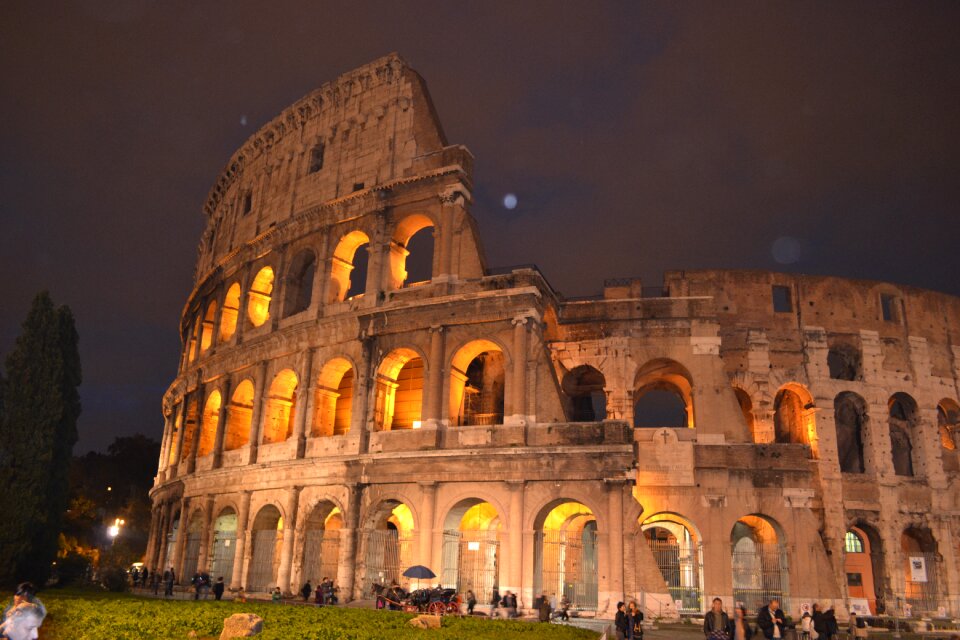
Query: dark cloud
x: 637, y: 137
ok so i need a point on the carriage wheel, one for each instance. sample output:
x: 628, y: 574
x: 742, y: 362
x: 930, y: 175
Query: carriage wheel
x: 436, y: 608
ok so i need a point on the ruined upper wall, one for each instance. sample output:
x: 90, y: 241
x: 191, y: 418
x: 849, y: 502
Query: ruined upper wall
x: 369, y: 127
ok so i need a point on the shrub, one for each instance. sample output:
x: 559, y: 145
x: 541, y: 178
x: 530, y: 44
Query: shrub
x: 114, y: 579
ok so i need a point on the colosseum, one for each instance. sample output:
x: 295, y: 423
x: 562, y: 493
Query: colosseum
x: 359, y: 392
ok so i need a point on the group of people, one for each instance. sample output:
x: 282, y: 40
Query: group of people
x: 629, y: 621
x: 325, y: 593
x: 507, y: 604
x: 24, y: 615
x: 772, y: 622
x: 202, y: 586
x: 548, y: 608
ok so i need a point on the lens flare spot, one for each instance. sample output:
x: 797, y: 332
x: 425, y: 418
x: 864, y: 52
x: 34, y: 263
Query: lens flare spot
x: 510, y: 201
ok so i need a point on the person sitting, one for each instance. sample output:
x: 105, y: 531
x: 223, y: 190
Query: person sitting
x: 275, y: 595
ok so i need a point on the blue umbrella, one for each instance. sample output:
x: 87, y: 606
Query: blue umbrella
x: 419, y: 572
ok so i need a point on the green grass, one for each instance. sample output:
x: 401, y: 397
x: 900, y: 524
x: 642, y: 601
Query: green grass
x: 75, y: 614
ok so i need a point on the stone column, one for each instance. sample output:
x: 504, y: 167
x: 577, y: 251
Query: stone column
x: 304, y: 402
x: 177, y: 561
x: 428, y: 501
x: 717, y: 551
x: 363, y: 385
x: 221, y: 423
x: 162, y: 465
x: 239, y: 566
x: 289, y: 531
x: 256, y: 418
x: 444, y: 240
x: 519, y: 378
x: 512, y: 564
x: 378, y: 248
x: 205, y: 533
x: 155, y: 522
x: 347, y: 562
x: 615, y: 537
x: 434, y: 401
x: 166, y: 523
x: 175, y: 464
x: 201, y: 405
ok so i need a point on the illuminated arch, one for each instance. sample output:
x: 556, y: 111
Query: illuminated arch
x: 208, y: 424
x: 333, y: 399
x: 794, y: 416
x: 402, y: 234
x: 258, y: 299
x: 206, y: 331
x: 675, y: 543
x: 948, y: 423
x: 266, y: 539
x: 279, y: 411
x: 230, y: 312
x: 399, y: 391
x: 224, y: 544
x: 239, y: 416
x: 662, y: 377
x: 759, y: 557
x: 344, y: 257
x: 746, y: 408
x: 470, y: 554
x: 321, y: 542
x: 566, y: 552
x: 477, y: 376
x: 387, y: 542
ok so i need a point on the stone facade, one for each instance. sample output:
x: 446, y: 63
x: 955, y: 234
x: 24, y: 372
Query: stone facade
x: 738, y: 434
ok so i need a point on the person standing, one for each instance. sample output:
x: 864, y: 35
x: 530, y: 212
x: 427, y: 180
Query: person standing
x: 741, y: 628
x: 770, y: 620
x: 169, y: 577
x: 620, y: 622
x: 218, y: 589
x: 471, y: 602
x: 306, y: 590
x: 716, y: 624
x: 543, y: 608
x: 494, y: 602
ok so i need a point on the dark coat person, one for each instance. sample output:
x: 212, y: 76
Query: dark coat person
x: 716, y: 624
x: 543, y: 608
x: 620, y: 622
x: 218, y: 588
x: 770, y: 619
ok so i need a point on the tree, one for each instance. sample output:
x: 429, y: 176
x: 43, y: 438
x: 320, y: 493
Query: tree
x: 38, y: 429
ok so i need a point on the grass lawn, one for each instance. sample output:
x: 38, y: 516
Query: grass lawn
x: 78, y: 614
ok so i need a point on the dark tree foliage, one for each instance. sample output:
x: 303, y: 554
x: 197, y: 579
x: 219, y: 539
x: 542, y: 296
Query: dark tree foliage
x: 38, y: 429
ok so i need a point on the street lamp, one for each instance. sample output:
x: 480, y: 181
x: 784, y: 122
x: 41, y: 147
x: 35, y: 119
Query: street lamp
x: 114, y: 529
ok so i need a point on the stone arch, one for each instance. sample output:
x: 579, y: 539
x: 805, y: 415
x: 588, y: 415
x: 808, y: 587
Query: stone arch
x: 850, y: 417
x: 281, y: 401
x: 677, y: 548
x: 663, y: 392
x: 793, y: 416
x: 333, y: 398
x: 844, y: 361
x: 902, y: 420
x: 320, y: 551
x: 477, y: 383
x: 208, y: 423
x: 224, y: 543
x: 759, y: 561
x: 745, y: 402
x: 565, y: 553
x: 266, y: 533
x: 230, y: 312
x: 191, y: 340
x: 584, y: 388
x: 402, y: 234
x: 344, y: 261
x: 863, y: 564
x: 298, y: 288
x: 259, y: 296
x: 206, y: 331
x: 190, y: 425
x: 239, y: 416
x: 399, y: 390
x: 921, y: 569
x: 387, y: 541
x: 470, y: 556
x: 191, y: 550
x: 948, y: 428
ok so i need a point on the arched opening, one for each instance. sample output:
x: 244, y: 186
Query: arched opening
x: 921, y: 570
x: 471, y: 548
x: 172, y: 541
x: 239, y: 415
x: 281, y: 402
x: 844, y: 362
x: 191, y: 550
x: 387, y: 540
x: 333, y: 399
x: 793, y: 416
x: 175, y: 436
x: 399, y: 391
x: 586, y: 398
x: 230, y: 312
x: 321, y: 543
x: 298, y: 290
x: 258, y: 298
x: 902, y: 420
x: 192, y: 345
x: 850, y: 416
x: 477, y: 384
x: 663, y: 395
x: 190, y: 427
x: 208, y: 428
x: 759, y: 559
x: 565, y: 553
x: 863, y: 564
x: 948, y: 426
x: 224, y: 545
x: 401, y: 250
x: 746, y: 408
x: 266, y: 538
x: 678, y: 551
x: 348, y: 269
x: 206, y: 332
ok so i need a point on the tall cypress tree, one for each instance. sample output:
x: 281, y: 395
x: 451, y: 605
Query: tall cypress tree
x: 38, y: 429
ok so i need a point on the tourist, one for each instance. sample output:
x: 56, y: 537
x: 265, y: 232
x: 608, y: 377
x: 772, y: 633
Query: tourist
x: 635, y: 620
x: 741, y: 628
x: 275, y: 596
x: 830, y: 625
x: 197, y: 583
x: 858, y: 626
x: 155, y: 582
x: 218, y: 589
x: 565, y: 608
x: 542, y: 605
x: 169, y: 578
x: 471, y: 602
x: 716, y: 624
x: 144, y: 577
x: 23, y: 615
x: 306, y: 590
x: 494, y: 602
x: 770, y: 619
x: 621, y: 623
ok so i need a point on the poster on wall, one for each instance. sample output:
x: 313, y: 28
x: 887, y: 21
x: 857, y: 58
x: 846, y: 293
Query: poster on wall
x: 860, y: 606
x: 918, y: 569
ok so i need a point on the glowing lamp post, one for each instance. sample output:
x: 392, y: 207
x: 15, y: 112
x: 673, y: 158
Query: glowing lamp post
x: 114, y: 530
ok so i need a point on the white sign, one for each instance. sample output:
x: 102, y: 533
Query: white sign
x: 804, y: 608
x: 918, y: 569
x: 860, y: 606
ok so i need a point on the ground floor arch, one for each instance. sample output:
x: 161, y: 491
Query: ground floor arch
x: 921, y: 585
x: 863, y: 565
x: 565, y: 554
x: 321, y: 543
x: 265, y: 542
x: 386, y: 544
x: 677, y: 549
x: 191, y: 548
x: 759, y: 562
x: 224, y: 544
x: 471, y: 548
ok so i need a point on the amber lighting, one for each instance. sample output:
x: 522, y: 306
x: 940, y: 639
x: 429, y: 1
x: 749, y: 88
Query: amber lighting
x: 208, y: 426
x: 278, y: 421
x: 333, y: 399
x: 342, y: 264
x: 258, y: 305
x: 228, y: 316
x: 239, y: 415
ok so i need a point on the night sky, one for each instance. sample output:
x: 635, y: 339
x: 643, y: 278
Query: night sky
x: 637, y: 137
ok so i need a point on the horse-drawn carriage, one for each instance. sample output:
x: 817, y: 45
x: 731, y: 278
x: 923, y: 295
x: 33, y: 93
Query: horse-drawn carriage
x: 438, y: 601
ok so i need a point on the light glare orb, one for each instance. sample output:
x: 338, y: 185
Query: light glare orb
x: 510, y: 201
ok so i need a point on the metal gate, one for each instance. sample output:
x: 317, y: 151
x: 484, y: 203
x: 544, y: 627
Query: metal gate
x: 922, y: 596
x: 321, y: 555
x: 224, y: 547
x: 471, y: 561
x: 191, y: 556
x: 385, y: 553
x: 262, y: 573
x: 760, y: 573
x: 566, y: 565
x: 681, y: 564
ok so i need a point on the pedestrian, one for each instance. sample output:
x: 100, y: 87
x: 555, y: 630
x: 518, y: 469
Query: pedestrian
x: 169, y: 578
x: 471, y: 602
x: 306, y: 590
x: 716, y: 624
x: 197, y: 583
x: 543, y: 608
x: 830, y: 622
x: 620, y: 622
x: 205, y: 584
x: 806, y: 627
x: 741, y: 628
x: 155, y: 582
x: 218, y: 588
x: 144, y: 577
x: 770, y: 620
x: 565, y: 608
x: 858, y: 626
x: 494, y: 602
x: 276, y: 596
